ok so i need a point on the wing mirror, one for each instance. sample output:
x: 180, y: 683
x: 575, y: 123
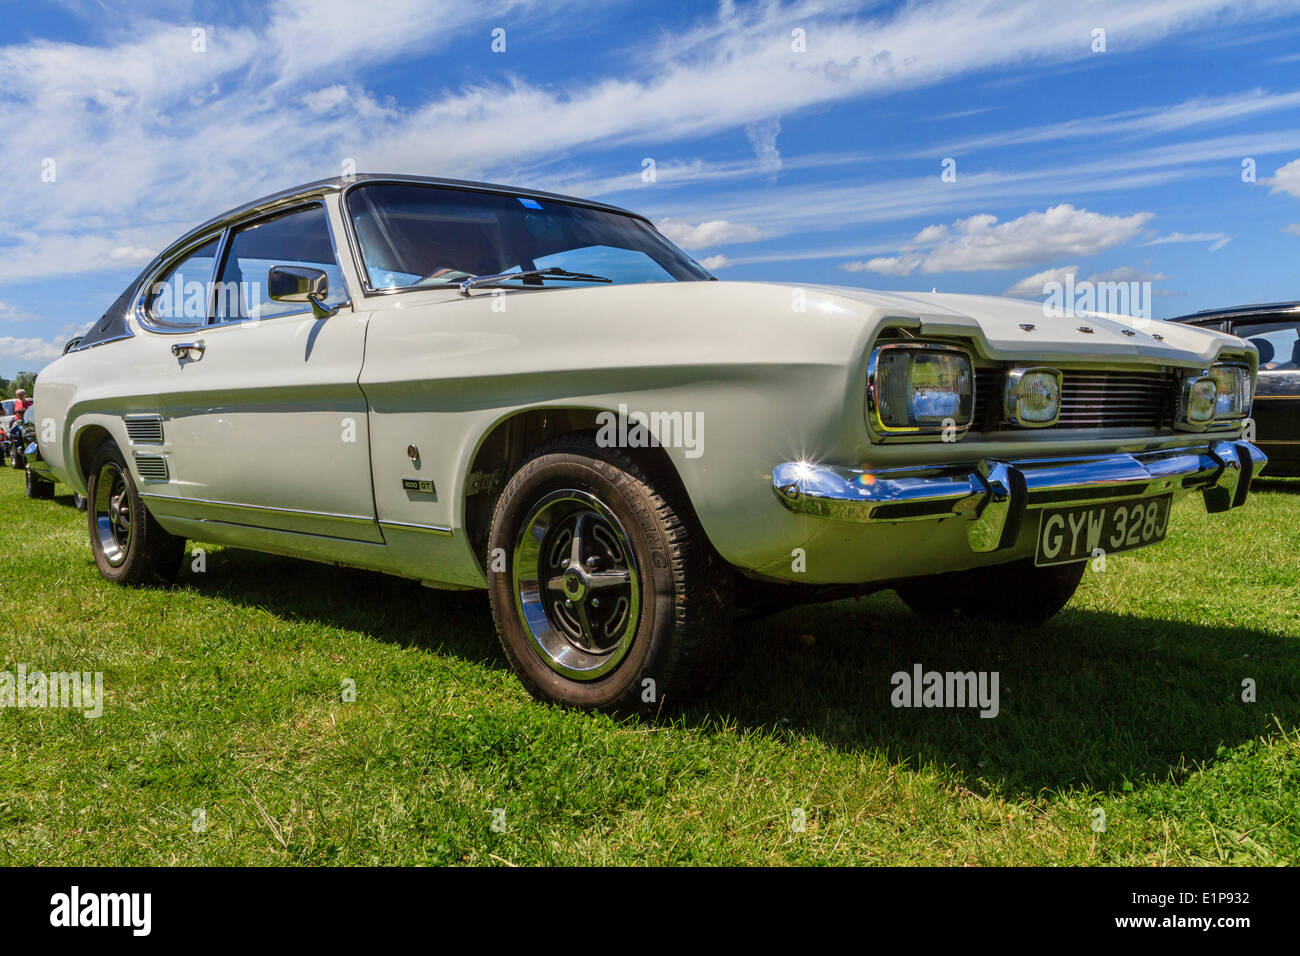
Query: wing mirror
x: 300, y: 284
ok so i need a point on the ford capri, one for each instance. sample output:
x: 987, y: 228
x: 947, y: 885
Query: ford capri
x: 482, y: 387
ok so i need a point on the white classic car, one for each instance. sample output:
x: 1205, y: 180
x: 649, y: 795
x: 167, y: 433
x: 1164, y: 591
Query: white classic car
x: 477, y: 386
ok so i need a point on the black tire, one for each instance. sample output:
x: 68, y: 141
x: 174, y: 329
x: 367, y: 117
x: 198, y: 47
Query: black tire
x: 38, y: 487
x: 132, y: 551
x: 16, y: 458
x: 625, y: 526
x: 1018, y: 593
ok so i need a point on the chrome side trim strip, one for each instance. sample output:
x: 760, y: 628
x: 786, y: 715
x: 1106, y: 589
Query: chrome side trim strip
x: 409, y: 525
x: 360, y: 519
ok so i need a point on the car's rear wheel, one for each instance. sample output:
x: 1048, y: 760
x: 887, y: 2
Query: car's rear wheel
x: 609, y: 596
x: 38, y: 487
x: 130, y: 547
x: 1018, y: 592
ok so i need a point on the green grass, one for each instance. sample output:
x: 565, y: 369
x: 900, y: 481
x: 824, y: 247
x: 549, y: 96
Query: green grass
x: 224, y: 694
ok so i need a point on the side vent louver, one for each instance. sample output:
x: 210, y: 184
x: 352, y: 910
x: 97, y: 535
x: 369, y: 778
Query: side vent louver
x: 144, y: 429
x: 151, y: 467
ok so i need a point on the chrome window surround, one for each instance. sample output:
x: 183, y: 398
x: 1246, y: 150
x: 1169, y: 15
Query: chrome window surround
x: 1011, y: 387
x: 354, y: 243
x: 173, y: 257
x: 880, y: 432
x: 191, y: 242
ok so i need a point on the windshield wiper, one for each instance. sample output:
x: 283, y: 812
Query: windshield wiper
x: 554, y: 272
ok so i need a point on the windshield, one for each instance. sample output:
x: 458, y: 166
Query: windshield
x: 420, y: 236
x: 7, y: 407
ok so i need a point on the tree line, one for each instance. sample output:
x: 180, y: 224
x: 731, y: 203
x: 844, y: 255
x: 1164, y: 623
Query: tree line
x: 23, y: 380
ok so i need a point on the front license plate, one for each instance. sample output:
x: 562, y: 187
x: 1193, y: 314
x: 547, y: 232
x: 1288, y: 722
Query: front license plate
x: 1078, y: 532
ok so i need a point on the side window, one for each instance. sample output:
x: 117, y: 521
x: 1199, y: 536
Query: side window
x: 298, y: 238
x: 1278, y: 344
x: 179, y: 298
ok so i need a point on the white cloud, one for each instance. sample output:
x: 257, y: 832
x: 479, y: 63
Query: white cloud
x: 1292, y: 229
x: 12, y: 313
x: 980, y: 242
x: 1127, y: 274
x: 713, y: 263
x: 131, y: 254
x: 121, y: 112
x: 762, y: 140
x: 1286, y: 179
x: 1217, y: 240
x: 1031, y: 287
x: 28, y: 350
x: 325, y: 99
x: 715, y: 232
x: 885, y: 265
x: 1144, y: 121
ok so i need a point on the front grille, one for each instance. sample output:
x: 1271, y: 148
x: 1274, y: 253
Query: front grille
x: 151, y: 467
x: 145, y: 429
x: 1089, y: 399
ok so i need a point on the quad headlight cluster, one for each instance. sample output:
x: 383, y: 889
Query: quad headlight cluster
x: 919, y: 389
x: 1221, y: 394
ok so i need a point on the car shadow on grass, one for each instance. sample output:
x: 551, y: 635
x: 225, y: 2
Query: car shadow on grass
x: 1092, y: 698
x: 1287, y: 486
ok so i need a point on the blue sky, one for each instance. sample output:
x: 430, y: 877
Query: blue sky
x: 820, y: 164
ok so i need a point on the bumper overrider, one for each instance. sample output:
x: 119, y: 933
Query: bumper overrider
x: 995, y: 495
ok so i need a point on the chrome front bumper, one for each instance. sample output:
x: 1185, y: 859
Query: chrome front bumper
x: 994, y: 495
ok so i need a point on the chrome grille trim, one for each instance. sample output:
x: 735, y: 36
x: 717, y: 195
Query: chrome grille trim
x: 1089, y: 399
x: 144, y: 429
x: 151, y: 467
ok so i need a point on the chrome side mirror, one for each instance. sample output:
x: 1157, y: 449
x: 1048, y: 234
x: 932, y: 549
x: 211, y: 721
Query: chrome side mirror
x: 300, y: 284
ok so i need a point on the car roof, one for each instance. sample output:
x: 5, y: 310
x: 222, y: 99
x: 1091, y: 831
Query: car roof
x: 111, y: 323
x: 1254, y: 310
x: 338, y: 183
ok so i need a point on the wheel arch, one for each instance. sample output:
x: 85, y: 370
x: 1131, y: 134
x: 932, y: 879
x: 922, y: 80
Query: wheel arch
x: 85, y: 443
x: 513, y: 438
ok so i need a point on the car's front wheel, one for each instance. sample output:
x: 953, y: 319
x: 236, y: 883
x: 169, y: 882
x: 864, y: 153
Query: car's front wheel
x: 1017, y: 592
x: 130, y: 547
x: 605, y: 592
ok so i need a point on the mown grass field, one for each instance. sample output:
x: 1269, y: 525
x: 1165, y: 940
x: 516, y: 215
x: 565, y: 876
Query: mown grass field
x: 224, y: 695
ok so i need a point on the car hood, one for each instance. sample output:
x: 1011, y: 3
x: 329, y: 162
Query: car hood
x: 998, y: 324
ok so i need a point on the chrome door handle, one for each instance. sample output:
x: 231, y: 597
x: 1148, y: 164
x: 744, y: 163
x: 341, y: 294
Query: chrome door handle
x: 189, y: 350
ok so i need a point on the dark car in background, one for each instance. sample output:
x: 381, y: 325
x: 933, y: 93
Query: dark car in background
x: 1274, y: 329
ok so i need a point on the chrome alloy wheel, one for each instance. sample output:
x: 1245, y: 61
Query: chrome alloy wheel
x: 577, y: 586
x: 112, y: 513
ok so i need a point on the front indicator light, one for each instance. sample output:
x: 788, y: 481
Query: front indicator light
x: 1033, y: 397
x: 919, y: 389
x: 1232, y: 392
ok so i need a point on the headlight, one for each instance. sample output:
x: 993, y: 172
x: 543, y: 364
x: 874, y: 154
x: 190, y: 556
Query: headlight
x: 918, y: 389
x: 1232, y: 399
x: 1197, y: 404
x: 1033, y: 397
